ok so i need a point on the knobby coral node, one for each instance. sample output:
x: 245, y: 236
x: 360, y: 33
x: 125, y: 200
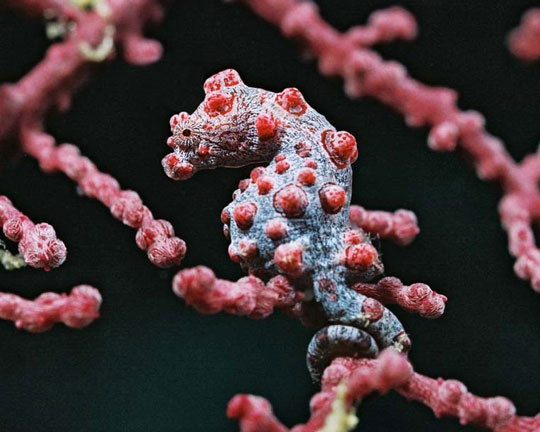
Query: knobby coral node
x: 38, y: 244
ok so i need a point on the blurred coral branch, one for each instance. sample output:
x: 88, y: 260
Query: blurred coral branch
x: 94, y: 31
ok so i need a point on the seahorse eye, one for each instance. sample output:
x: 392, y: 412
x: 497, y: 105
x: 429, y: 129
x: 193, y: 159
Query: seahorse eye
x: 186, y: 132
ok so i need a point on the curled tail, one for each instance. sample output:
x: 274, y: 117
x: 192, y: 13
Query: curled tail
x: 356, y: 320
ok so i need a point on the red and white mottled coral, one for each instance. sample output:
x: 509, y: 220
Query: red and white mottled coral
x: 50, y: 84
x: 77, y: 310
x: 366, y: 74
x: 524, y: 41
x: 38, y: 244
x: 447, y: 398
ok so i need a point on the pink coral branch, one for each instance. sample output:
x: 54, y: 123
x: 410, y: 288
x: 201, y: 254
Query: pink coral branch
x: 154, y: 236
x: 366, y: 74
x: 524, y: 41
x: 362, y: 377
x: 418, y: 297
x: 400, y: 227
x: 77, y: 310
x: 51, y: 84
x: 38, y: 244
x: 384, y: 25
x: 447, y: 398
x: 249, y: 296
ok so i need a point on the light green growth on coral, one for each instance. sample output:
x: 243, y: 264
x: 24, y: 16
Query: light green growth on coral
x: 102, y: 51
x: 100, y: 6
x: 8, y: 260
x: 340, y: 419
x: 55, y: 29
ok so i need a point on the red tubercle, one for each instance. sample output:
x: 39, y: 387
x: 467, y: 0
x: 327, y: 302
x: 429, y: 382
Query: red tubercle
x: 225, y: 218
x: 310, y: 163
x: 218, y: 104
x: 247, y: 249
x: 303, y: 149
x: 291, y: 201
x: 233, y: 254
x: 264, y: 185
x: 266, y: 126
x: 176, y: 119
x: 332, y: 198
x: 292, y: 101
x: 524, y: 41
x: 372, y: 309
x: 256, y: 173
x: 360, y: 256
x: 307, y: 176
x: 177, y: 169
x: 275, y: 229
x: 352, y: 237
x: 223, y: 79
x: 243, y: 184
x: 173, y: 122
x: 340, y: 146
x: 203, y: 150
x: 288, y: 258
x: 282, y: 166
x: 244, y: 215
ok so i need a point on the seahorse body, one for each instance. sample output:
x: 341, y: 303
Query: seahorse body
x: 292, y: 216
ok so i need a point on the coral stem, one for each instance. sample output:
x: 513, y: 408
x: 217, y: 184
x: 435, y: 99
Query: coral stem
x: 249, y: 296
x: 77, y: 310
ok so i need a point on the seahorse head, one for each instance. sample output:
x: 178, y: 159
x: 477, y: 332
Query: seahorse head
x: 221, y: 132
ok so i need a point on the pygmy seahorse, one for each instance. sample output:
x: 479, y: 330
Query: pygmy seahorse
x: 292, y: 216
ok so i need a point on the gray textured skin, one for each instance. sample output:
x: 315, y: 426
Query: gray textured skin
x: 233, y: 142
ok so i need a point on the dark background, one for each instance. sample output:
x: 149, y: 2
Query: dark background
x: 152, y: 364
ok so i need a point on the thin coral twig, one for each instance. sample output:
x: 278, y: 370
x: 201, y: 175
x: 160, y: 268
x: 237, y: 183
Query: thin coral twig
x: 418, y: 297
x: 249, y: 296
x: 77, y: 310
x: 401, y: 226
